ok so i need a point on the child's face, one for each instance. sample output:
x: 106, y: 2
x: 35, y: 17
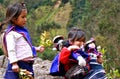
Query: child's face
x: 21, y: 20
x: 78, y: 43
x: 91, y: 45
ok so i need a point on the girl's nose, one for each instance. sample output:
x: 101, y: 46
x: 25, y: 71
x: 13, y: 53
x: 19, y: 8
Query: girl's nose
x: 25, y: 19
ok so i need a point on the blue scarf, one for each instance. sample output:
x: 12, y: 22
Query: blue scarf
x: 24, y: 32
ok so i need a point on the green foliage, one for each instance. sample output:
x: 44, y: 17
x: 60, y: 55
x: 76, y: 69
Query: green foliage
x: 77, y: 12
x: 65, y: 1
x: 47, y: 26
x: 42, y: 20
x: 25, y: 74
x: 34, y: 4
x: 1, y: 1
x: 2, y: 13
x: 1, y: 52
x: 45, y: 39
x: 99, y: 18
x: 113, y: 74
x: 48, y: 54
x: 45, y: 15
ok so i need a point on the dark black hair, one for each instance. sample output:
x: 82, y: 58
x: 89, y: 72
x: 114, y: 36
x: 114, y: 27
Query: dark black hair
x: 76, y: 34
x: 13, y: 11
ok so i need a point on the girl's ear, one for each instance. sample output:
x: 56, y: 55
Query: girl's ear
x: 13, y: 19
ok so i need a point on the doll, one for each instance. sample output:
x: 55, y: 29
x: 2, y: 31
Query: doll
x: 59, y: 42
x: 95, y: 61
x: 91, y: 49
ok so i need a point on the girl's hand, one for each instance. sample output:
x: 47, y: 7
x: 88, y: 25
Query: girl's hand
x: 15, y: 67
x: 99, y: 60
x: 40, y: 49
x: 73, y: 47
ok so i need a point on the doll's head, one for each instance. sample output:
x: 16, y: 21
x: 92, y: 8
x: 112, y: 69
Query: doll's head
x: 90, y: 45
x: 57, y: 41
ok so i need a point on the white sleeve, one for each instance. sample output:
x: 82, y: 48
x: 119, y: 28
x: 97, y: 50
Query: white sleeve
x: 81, y: 61
x: 10, y: 41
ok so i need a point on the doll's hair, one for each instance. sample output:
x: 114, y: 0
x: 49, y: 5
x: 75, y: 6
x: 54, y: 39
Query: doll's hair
x: 92, y: 40
x: 57, y: 38
x: 59, y: 42
x: 76, y: 34
x: 13, y: 11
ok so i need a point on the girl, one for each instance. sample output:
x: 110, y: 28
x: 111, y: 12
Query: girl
x: 17, y: 43
x: 69, y: 59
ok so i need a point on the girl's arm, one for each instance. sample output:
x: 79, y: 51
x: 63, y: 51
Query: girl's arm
x: 10, y: 43
x: 79, y: 58
x: 66, y: 52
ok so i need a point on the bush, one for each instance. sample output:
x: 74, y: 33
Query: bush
x: 48, y: 54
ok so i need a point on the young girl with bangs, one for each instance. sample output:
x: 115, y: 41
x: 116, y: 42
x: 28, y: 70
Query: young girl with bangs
x: 69, y: 56
x: 17, y: 43
x: 77, y: 61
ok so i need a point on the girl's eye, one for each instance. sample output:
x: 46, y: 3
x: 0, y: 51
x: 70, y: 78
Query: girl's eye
x: 23, y: 16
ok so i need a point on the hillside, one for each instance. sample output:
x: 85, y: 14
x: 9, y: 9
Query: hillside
x: 99, y: 18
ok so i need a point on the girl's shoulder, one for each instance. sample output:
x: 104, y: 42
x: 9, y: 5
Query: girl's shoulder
x: 14, y: 34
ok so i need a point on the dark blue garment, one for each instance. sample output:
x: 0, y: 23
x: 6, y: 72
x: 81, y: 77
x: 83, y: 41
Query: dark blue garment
x: 96, y: 74
x: 92, y: 62
x: 79, y: 52
x: 26, y: 34
x: 13, y: 75
x: 57, y: 69
x: 97, y: 71
x: 95, y: 65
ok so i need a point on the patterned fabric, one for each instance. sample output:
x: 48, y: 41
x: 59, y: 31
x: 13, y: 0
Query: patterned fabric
x: 96, y: 74
x: 94, y: 54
